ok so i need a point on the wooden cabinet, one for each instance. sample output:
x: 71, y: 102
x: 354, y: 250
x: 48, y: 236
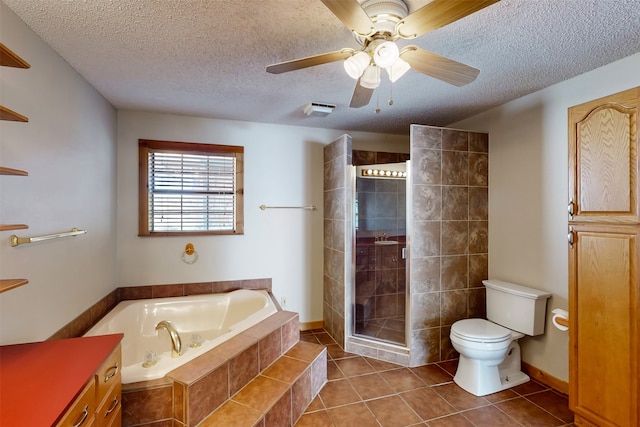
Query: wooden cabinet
x: 109, y: 391
x: 9, y: 59
x: 604, y: 287
x: 99, y: 404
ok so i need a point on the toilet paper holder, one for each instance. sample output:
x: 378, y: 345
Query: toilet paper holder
x: 560, y: 319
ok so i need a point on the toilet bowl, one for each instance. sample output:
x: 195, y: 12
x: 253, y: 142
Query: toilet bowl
x: 489, y: 356
x: 489, y: 350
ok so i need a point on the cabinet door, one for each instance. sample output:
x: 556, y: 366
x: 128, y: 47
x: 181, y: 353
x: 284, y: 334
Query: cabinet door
x: 603, y: 161
x: 603, y: 296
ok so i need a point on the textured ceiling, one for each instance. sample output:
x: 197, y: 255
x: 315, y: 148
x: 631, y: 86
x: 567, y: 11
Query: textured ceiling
x: 207, y: 57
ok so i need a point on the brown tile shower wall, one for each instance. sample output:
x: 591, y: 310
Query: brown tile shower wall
x: 363, y: 157
x: 449, y: 236
x: 337, y: 250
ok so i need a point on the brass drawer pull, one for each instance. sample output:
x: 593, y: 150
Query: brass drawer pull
x: 85, y: 414
x: 114, y: 405
x: 111, y: 373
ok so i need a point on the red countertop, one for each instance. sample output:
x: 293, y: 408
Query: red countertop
x: 38, y: 381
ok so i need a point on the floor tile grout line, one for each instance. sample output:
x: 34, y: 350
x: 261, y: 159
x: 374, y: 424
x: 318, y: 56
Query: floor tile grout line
x: 533, y: 403
x: 509, y: 416
x: 411, y: 407
x: 543, y: 408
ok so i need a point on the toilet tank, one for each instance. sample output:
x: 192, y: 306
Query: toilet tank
x: 516, y: 307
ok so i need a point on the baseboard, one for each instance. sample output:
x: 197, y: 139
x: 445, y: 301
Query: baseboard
x: 546, y: 379
x: 305, y: 326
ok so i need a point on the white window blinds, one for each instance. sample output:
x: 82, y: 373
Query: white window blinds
x: 191, y: 191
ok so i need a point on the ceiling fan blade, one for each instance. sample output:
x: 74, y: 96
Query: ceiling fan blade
x: 445, y: 69
x: 437, y: 14
x: 361, y: 96
x: 309, y: 61
x: 351, y: 15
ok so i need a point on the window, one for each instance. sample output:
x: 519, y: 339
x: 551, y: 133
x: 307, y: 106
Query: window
x: 190, y: 189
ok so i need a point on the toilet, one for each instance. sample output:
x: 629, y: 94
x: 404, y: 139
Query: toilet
x: 489, y: 350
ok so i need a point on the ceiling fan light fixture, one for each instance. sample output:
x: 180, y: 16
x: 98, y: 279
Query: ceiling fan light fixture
x: 386, y: 54
x: 398, y: 69
x: 371, y: 77
x: 356, y: 64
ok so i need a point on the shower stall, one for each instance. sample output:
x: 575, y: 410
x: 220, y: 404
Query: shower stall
x: 392, y: 289
x: 380, y: 229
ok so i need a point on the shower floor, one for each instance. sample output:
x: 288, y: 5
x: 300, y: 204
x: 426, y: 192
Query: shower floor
x: 390, y: 329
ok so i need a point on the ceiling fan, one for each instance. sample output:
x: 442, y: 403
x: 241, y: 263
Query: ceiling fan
x: 376, y: 25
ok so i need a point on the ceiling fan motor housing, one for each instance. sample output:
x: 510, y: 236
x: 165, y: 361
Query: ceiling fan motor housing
x: 385, y: 14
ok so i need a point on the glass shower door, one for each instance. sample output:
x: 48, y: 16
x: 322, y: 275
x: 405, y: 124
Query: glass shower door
x: 380, y: 269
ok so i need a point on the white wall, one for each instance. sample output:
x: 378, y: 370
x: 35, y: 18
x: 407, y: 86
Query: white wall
x: 528, y: 193
x: 68, y: 148
x: 283, y: 167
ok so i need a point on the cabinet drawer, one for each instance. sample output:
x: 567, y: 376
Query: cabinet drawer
x: 81, y: 412
x: 108, y: 374
x: 110, y: 408
x: 116, y: 420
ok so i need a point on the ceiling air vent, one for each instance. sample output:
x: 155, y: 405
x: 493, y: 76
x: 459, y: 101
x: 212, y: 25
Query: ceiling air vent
x: 318, y: 109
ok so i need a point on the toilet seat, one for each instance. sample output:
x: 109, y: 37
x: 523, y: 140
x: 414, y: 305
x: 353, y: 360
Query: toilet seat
x: 480, y: 331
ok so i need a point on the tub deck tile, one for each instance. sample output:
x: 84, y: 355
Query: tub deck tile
x: 243, y: 368
x: 141, y: 407
x: 270, y: 349
x: 301, y: 395
x: 305, y: 351
x: 207, y: 394
x: 147, y: 385
x: 235, y: 345
x: 261, y: 394
x: 286, y: 369
x: 270, y: 324
x: 200, y: 366
x: 290, y: 333
x: 233, y: 414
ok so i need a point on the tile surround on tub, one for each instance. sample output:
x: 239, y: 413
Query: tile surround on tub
x: 81, y: 324
x: 207, y: 382
x: 280, y: 394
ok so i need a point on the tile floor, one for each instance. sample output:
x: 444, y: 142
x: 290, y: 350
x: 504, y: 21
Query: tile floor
x: 366, y: 392
x: 388, y: 329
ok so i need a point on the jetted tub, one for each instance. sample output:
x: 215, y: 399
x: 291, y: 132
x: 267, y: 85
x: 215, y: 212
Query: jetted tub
x: 206, y: 319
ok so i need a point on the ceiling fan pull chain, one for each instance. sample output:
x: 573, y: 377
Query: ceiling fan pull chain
x: 390, y: 94
x: 377, y: 110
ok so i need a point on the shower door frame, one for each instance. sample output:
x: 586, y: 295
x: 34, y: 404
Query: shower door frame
x: 350, y: 327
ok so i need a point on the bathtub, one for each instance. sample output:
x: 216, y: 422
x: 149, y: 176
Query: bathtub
x: 207, y: 320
